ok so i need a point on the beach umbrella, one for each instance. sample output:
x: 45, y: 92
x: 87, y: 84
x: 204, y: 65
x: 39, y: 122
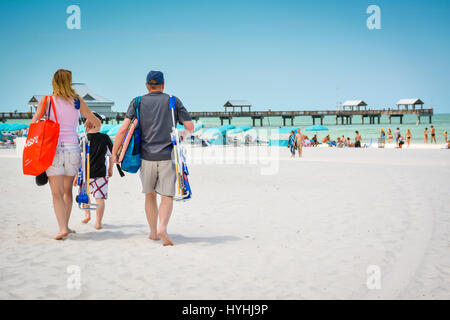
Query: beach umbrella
x: 113, y: 131
x: 106, y: 127
x: 4, y: 126
x: 317, y: 128
x: 16, y: 127
x: 197, y: 126
x: 227, y: 127
x: 241, y: 129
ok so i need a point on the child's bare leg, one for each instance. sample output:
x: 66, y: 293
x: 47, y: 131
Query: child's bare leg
x: 151, y: 211
x: 99, y: 213
x: 87, y: 215
x: 164, y: 211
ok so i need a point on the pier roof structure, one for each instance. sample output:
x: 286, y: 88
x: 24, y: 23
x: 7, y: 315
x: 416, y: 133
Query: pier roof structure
x: 354, y: 104
x: 410, y: 102
x: 237, y: 104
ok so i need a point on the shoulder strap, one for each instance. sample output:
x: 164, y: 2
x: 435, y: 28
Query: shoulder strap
x: 44, y: 105
x: 138, y: 107
x: 51, y: 103
x: 172, y: 105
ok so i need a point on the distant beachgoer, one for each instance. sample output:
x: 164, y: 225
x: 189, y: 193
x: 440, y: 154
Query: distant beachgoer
x: 67, y: 159
x: 382, y: 134
x: 358, y: 139
x: 433, y: 134
x: 157, y: 171
x: 397, y: 134
x: 350, y: 143
x: 389, y: 134
x: 400, y: 142
x: 299, y: 139
x: 307, y: 142
x: 408, y: 137
x: 291, y: 143
x: 445, y: 136
x: 314, y: 140
x: 425, y: 135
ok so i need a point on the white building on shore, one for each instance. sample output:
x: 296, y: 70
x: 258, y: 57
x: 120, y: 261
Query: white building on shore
x: 95, y: 102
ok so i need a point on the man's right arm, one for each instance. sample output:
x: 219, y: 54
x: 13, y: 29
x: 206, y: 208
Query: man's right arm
x: 119, y: 138
x: 131, y: 114
x: 184, y: 118
x: 189, y: 128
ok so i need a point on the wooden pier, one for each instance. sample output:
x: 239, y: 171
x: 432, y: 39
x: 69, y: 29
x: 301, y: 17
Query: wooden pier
x: 341, y: 117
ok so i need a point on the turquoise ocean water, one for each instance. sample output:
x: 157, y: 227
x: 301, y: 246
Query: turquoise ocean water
x: 368, y: 131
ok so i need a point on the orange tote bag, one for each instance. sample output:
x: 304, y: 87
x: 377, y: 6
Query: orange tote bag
x: 42, y: 140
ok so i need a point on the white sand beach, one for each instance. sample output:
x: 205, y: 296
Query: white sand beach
x: 308, y: 230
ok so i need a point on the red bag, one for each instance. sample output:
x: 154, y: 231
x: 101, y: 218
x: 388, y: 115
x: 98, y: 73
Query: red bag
x: 42, y: 140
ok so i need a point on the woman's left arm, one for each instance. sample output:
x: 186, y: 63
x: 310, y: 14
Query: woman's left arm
x: 38, y: 111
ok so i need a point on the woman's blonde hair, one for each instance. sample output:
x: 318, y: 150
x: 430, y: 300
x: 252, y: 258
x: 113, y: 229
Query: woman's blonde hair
x: 62, y: 84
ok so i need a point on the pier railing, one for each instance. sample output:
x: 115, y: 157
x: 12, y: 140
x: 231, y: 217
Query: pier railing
x: 286, y: 115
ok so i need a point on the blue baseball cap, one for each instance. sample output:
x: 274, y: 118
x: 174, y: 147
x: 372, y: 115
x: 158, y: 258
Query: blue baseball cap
x: 155, y: 78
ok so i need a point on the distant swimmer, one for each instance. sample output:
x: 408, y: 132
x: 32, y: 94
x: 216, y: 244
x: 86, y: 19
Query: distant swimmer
x: 425, y: 135
x: 408, y: 137
x: 299, y: 139
x: 358, y: 139
x: 291, y: 143
x: 389, y: 134
x: 433, y: 134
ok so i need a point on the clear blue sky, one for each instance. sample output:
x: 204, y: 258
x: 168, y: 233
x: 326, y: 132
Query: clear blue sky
x: 276, y: 54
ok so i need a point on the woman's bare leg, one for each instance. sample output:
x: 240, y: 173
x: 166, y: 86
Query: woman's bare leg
x: 164, y: 211
x: 68, y: 198
x: 57, y: 189
x: 151, y: 211
x: 99, y: 213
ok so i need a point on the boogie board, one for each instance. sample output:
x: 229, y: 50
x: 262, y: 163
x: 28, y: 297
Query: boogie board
x: 126, y: 140
x: 124, y: 145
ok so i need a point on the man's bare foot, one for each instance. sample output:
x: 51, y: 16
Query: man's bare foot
x: 165, y: 238
x: 153, y: 237
x: 98, y: 226
x: 61, y: 235
x: 86, y: 220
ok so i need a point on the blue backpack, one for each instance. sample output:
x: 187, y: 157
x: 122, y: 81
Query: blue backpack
x: 132, y: 160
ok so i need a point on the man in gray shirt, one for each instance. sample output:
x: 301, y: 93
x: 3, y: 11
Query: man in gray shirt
x: 157, y: 172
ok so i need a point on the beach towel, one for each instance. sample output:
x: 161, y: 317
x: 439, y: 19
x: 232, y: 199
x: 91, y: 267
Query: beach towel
x: 41, y: 143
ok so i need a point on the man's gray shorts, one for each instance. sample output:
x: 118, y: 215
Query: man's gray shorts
x: 158, y: 176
